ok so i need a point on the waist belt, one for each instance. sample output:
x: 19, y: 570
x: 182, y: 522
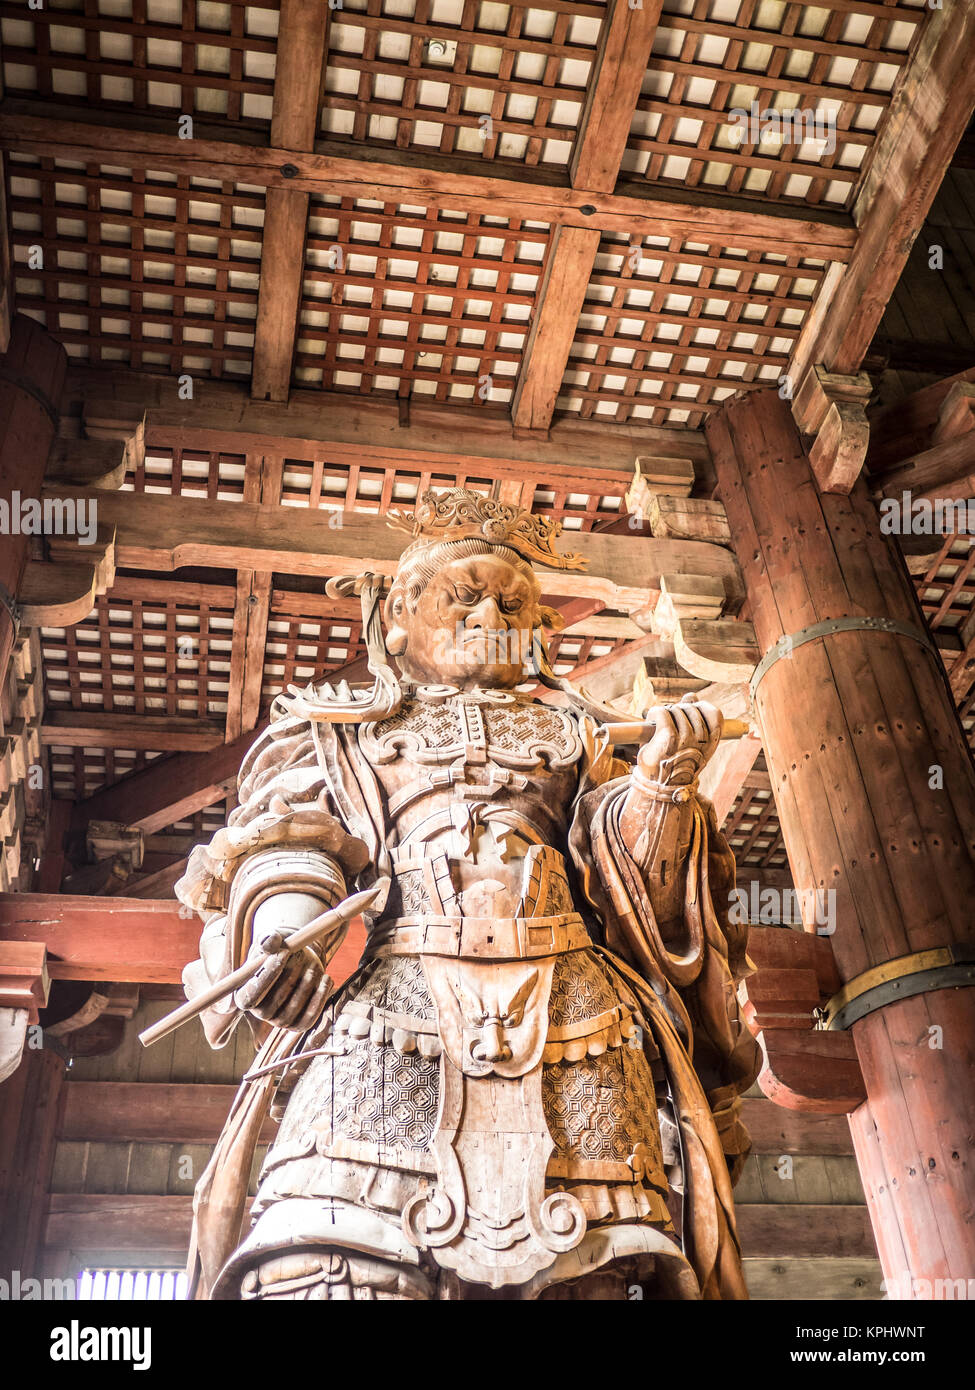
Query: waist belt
x: 483, y: 938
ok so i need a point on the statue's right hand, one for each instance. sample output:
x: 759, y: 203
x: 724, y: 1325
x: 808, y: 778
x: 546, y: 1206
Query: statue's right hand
x: 289, y: 990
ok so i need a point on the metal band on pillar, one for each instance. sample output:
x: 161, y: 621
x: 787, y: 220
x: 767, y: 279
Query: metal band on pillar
x: 944, y: 967
x: 785, y: 646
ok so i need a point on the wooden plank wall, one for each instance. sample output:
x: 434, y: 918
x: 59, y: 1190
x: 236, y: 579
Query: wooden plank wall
x: 102, y: 1167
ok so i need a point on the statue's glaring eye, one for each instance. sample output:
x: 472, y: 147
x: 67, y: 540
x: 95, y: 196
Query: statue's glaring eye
x: 466, y: 596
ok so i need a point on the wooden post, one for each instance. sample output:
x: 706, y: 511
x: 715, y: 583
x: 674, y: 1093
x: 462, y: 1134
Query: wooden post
x: 875, y: 789
x: 30, y: 1103
x: 32, y: 373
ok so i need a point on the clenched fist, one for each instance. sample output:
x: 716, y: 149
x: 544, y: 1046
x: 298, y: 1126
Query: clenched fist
x: 290, y: 989
x: 686, y: 736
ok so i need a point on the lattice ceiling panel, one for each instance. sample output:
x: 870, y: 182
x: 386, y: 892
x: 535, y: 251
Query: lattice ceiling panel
x: 752, y: 825
x: 591, y: 501
x: 148, y: 269
x: 138, y: 654
x: 164, y: 57
x: 402, y: 300
x: 569, y: 650
x: 672, y: 326
x: 80, y: 772
x: 307, y: 637
x: 947, y: 595
x: 505, y: 81
x: 188, y: 473
x: 947, y: 589
x: 714, y: 57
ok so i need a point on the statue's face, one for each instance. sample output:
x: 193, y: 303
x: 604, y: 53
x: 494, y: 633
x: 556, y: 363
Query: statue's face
x: 472, y: 625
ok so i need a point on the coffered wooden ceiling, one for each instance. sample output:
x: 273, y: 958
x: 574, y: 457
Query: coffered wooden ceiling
x: 540, y: 206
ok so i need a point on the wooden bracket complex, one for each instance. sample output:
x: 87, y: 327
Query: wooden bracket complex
x: 830, y: 410
x: 24, y: 988
x: 805, y: 1068
x: 693, y: 611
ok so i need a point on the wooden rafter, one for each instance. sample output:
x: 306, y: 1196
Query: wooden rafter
x: 252, y: 608
x: 169, y: 790
x: 401, y: 177
x: 626, y: 40
x: 301, y: 47
x: 773, y: 1230
x: 560, y: 300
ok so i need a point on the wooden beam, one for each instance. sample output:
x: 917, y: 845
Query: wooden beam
x: 437, y: 438
x: 170, y: 789
x: 247, y: 651
x: 799, y: 1230
x: 625, y: 45
x: 777, y: 1131
x: 944, y: 470
x: 561, y: 295
x: 141, y: 1112
x: 403, y: 176
x: 126, y: 940
x: 156, y: 885
x: 925, y: 122
x: 92, y: 938
x: 193, y: 1113
x: 100, y: 1221
x: 302, y: 44
x: 906, y: 427
x: 252, y: 607
x: 155, y: 532
x: 625, y: 42
x: 69, y: 728
x: 823, y: 1279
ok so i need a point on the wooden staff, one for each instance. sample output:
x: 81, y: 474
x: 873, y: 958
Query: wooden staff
x: 319, y: 926
x: 641, y: 732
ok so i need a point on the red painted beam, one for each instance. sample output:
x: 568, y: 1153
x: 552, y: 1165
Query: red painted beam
x: 126, y: 940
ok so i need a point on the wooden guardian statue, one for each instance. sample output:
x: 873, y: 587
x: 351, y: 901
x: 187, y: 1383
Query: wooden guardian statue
x: 529, y: 1089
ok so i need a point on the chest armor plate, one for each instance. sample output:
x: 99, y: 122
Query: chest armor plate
x: 443, y: 725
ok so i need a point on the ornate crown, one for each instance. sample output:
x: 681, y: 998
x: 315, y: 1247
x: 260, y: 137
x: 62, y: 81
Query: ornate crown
x: 458, y: 514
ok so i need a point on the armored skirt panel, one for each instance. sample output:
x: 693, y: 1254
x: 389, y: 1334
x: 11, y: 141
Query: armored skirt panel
x: 434, y: 1073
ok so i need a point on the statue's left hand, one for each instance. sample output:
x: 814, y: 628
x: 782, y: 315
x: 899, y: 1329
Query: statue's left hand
x: 686, y: 736
x: 290, y: 989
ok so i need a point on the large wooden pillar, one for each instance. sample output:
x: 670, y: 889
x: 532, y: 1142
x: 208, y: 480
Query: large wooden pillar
x: 30, y: 1103
x: 32, y: 373
x: 875, y: 789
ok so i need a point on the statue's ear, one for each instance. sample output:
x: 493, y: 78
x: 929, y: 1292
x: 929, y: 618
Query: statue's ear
x: 550, y: 618
x: 396, y: 635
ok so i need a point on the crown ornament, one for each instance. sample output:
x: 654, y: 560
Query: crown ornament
x: 458, y: 514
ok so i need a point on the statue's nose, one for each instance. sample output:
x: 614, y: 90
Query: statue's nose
x: 486, y: 615
x: 491, y: 1046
